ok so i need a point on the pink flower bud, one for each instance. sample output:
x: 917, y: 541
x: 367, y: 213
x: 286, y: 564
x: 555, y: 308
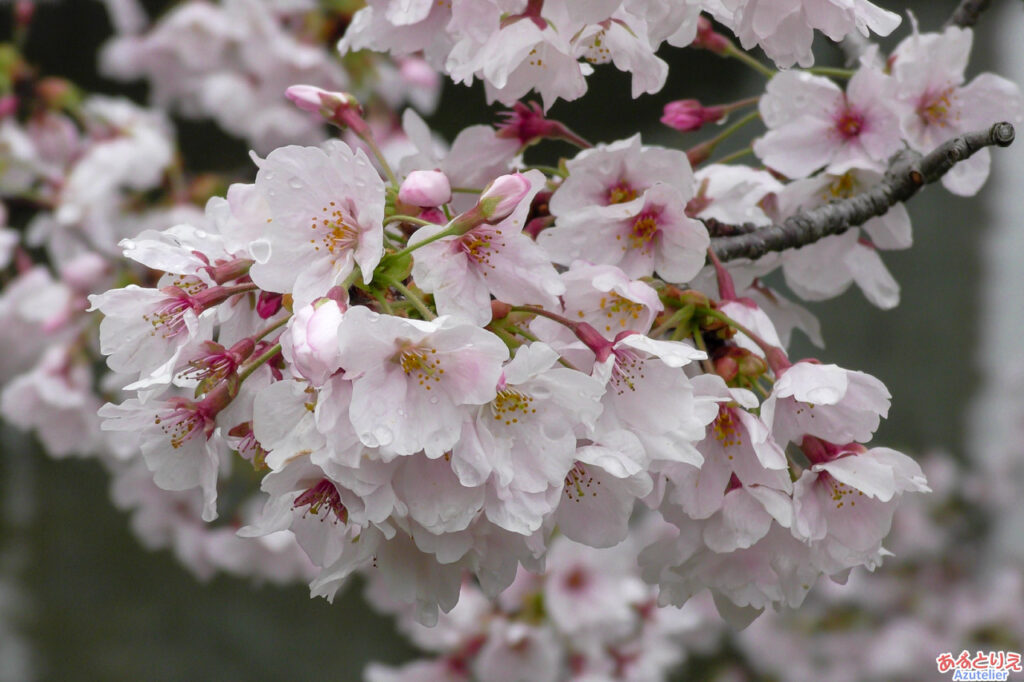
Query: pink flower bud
x: 339, y: 108
x: 502, y: 196
x: 426, y: 189
x: 313, y: 99
x: 313, y: 334
x: 708, y: 39
x: 688, y: 114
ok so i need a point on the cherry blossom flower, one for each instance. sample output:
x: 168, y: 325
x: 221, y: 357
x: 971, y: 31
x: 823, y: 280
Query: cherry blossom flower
x: 463, y: 271
x: 935, y: 103
x: 413, y: 381
x: 826, y: 401
x: 326, y: 218
x: 812, y: 123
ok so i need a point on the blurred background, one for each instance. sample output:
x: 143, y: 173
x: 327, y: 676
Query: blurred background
x: 81, y: 599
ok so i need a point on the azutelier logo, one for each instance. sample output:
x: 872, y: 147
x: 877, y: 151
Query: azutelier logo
x: 991, y: 665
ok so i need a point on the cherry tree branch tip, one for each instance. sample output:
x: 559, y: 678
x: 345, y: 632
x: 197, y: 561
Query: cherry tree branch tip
x: 908, y: 172
x: 967, y: 13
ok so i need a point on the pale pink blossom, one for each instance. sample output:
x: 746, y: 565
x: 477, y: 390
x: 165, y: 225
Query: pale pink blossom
x: 785, y: 28
x: 825, y: 401
x: 326, y: 214
x: 936, y: 104
x: 812, y: 123
x: 414, y: 381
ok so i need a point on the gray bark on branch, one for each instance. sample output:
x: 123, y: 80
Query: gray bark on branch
x: 967, y: 13
x: 908, y: 172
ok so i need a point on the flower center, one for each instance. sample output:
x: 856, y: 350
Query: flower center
x: 621, y: 193
x: 324, y: 496
x: 510, y: 405
x: 478, y: 246
x: 335, y: 233
x: 168, y: 318
x: 627, y: 370
x: 934, y: 109
x: 642, y: 232
x: 577, y: 483
x: 725, y: 429
x: 577, y: 579
x: 597, y: 51
x: 840, y: 492
x: 850, y: 124
x: 618, y: 311
x: 181, y: 423
x: 420, y: 364
x: 841, y: 188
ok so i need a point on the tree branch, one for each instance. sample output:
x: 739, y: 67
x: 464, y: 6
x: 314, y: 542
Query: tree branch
x: 967, y: 13
x: 908, y: 173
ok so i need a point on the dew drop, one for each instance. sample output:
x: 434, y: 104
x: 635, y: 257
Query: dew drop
x: 201, y: 234
x: 433, y: 400
x: 127, y: 244
x: 295, y: 183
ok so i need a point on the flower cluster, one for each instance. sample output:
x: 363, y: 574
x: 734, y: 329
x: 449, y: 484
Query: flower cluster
x: 231, y: 62
x: 549, y: 46
x: 432, y: 395
x: 589, y: 616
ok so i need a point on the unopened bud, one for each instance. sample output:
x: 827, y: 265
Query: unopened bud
x: 314, y: 100
x: 727, y: 367
x: 752, y: 366
x: 503, y: 196
x: 339, y: 108
x: 313, y: 334
x: 500, y: 310
x: 694, y: 298
x: 709, y: 39
x: 426, y: 189
x: 688, y: 115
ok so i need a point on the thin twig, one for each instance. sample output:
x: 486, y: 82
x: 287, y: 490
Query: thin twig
x: 967, y: 13
x: 908, y: 173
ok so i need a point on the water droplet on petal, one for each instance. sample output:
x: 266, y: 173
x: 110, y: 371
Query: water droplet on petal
x: 295, y: 183
x: 127, y: 244
x: 201, y: 234
x: 433, y: 400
